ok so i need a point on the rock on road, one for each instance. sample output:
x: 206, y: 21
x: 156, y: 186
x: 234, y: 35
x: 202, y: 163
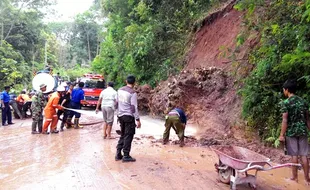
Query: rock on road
x: 82, y: 159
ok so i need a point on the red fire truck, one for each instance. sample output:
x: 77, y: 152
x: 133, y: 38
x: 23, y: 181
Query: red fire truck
x: 94, y: 84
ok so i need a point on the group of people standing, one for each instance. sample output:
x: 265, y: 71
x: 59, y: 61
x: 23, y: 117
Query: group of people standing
x: 57, y: 104
x: 50, y: 106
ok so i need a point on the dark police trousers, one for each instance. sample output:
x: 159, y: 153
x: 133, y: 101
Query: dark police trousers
x: 128, y: 129
x: 6, y: 113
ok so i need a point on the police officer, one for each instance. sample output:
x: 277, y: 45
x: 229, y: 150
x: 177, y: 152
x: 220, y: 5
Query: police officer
x: 6, y: 110
x: 129, y: 119
x: 37, y: 105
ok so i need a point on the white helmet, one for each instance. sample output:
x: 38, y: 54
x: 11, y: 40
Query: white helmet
x: 60, y: 89
x: 64, y: 84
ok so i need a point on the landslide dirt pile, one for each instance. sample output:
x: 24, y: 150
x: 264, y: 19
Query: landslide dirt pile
x: 204, y: 94
x: 144, y: 93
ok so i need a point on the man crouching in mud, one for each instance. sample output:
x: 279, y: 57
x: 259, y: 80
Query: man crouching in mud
x: 176, y: 119
x: 295, y: 125
x: 127, y: 114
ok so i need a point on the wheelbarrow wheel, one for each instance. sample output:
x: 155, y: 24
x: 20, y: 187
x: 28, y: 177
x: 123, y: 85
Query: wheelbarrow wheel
x: 224, y: 174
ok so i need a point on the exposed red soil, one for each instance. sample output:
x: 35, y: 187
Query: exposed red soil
x: 215, y: 40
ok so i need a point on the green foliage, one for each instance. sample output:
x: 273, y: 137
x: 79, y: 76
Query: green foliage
x: 26, y: 40
x: 12, y: 66
x: 22, y: 40
x: 79, y: 39
x: 146, y: 38
x: 84, y: 37
x: 73, y: 73
x: 283, y: 53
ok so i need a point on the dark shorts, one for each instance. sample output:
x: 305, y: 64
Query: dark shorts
x: 297, y: 146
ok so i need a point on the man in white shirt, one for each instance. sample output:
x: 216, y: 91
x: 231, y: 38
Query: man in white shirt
x: 107, y: 99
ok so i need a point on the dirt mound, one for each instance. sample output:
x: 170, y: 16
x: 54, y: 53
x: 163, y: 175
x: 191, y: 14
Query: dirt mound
x: 144, y: 92
x: 204, y: 93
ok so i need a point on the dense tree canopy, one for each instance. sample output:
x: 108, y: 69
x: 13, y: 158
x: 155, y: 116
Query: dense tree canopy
x: 146, y: 38
x: 21, y: 39
x: 28, y: 44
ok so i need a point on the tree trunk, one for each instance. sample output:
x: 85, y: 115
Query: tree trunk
x: 89, y: 55
x: 2, y: 33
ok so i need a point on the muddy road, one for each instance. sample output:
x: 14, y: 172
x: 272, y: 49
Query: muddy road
x: 82, y: 159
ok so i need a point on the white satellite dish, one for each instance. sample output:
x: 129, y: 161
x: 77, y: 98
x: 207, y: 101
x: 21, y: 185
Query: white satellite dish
x: 43, y: 78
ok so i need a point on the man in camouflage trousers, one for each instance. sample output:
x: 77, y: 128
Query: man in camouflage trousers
x: 37, y: 105
x: 295, y: 125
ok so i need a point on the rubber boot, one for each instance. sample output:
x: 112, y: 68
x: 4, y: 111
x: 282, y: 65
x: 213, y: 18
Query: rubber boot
x: 69, y: 123
x: 118, y: 155
x: 76, y: 123
x: 182, y: 143
x: 40, y: 124
x: 34, y: 127
x: 128, y: 158
x: 62, y: 126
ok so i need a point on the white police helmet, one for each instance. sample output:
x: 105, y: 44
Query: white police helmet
x: 60, y: 89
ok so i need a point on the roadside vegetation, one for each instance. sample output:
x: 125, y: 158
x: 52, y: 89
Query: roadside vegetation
x: 28, y: 43
x: 283, y: 53
x: 147, y: 38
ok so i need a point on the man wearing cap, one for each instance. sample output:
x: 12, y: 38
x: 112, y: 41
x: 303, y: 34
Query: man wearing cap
x: 37, y: 105
x: 107, y: 99
x: 6, y: 110
x: 50, y: 111
x: 129, y: 119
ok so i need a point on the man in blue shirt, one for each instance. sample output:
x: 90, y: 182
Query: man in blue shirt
x: 6, y: 110
x: 176, y: 119
x: 76, y: 97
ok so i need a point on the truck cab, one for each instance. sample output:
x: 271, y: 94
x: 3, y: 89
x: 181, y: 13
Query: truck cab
x: 93, y: 85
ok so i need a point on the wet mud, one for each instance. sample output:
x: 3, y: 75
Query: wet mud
x: 82, y: 159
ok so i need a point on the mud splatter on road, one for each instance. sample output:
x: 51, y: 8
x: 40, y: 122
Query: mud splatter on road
x: 82, y: 159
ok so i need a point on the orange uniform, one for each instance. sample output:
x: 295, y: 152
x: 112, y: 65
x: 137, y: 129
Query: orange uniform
x: 22, y: 98
x: 50, y: 112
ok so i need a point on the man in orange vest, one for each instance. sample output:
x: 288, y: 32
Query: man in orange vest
x: 50, y: 111
x: 24, y: 102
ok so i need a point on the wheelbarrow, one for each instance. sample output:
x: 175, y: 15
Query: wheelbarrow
x: 235, y: 162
